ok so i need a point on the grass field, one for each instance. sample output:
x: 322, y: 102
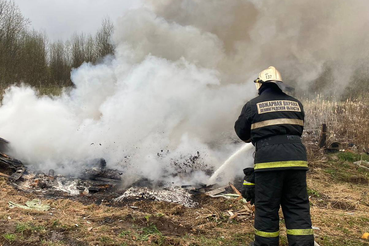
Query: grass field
x: 339, y: 206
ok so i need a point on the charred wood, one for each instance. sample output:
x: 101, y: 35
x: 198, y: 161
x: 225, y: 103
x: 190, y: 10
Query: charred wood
x: 11, y: 166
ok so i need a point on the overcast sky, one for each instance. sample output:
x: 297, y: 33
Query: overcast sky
x: 61, y: 18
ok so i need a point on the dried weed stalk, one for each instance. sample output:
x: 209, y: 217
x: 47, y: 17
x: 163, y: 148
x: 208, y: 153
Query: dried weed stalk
x: 347, y: 122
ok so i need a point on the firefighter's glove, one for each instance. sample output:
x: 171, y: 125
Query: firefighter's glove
x: 248, y: 188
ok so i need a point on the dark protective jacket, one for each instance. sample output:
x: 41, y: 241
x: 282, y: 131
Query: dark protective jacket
x: 274, y: 122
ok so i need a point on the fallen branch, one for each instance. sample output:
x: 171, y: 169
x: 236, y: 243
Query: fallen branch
x: 358, y: 163
x: 4, y: 175
x: 251, y: 207
x: 233, y: 216
x: 235, y: 189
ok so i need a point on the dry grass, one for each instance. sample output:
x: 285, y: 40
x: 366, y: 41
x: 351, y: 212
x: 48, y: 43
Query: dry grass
x: 346, y: 121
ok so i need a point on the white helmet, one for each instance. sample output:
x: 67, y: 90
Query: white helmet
x: 271, y: 75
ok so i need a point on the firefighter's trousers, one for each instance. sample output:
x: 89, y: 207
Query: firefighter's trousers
x: 288, y: 189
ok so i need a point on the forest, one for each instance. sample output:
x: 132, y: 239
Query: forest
x: 28, y: 56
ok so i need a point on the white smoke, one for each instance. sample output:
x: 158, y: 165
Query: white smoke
x: 300, y: 38
x: 124, y: 108
x: 180, y: 74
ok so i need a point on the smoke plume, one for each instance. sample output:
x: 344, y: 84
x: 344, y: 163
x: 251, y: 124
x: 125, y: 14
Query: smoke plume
x: 181, y: 71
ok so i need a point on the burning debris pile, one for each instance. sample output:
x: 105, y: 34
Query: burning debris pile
x: 96, y: 180
x: 96, y: 177
x: 49, y: 184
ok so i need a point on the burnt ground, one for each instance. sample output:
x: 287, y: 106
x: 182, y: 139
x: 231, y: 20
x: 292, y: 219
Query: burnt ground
x: 339, y: 206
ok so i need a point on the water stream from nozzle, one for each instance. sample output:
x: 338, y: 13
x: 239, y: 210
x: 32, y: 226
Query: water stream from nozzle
x: 244, y: 148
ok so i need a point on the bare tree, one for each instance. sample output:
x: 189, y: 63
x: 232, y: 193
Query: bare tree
x: 78, y: 50
x: 90, y: 49
x: 59, y: 64
x: 12, y: 25
x: 33, y: 63
x: 103, y: 36
x: 27, y: 56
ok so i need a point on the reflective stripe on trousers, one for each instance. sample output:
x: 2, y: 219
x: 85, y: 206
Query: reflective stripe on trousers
x: 295, y: 232
x: 296, y: 237
x: 300, y: 232
x: 266, y: 234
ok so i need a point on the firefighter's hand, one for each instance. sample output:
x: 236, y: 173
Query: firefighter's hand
x: 248, y: 191
x: 248, y: 188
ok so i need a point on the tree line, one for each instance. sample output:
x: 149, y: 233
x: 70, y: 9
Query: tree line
x: 27, y: 56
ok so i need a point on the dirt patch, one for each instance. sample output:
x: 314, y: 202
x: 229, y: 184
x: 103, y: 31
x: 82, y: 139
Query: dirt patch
x: 342, y: 205
x: 358, y: 180
x: 165, y: 225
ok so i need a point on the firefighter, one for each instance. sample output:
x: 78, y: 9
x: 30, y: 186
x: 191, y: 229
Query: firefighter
x: 273, y: 122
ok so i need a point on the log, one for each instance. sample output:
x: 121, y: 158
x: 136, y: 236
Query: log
x: 251, y: 207
x: 323, y: 136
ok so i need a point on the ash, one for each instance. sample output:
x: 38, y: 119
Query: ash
x: 172, y: 195
x: 186, y: 163
x: 68, y: 186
